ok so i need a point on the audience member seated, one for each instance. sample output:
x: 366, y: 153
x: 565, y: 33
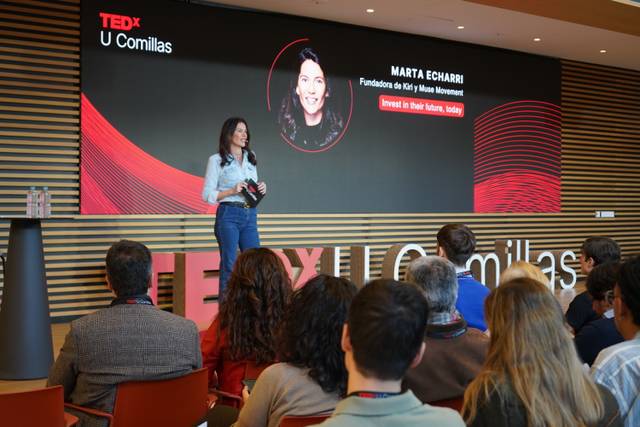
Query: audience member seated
x: 532, y: 376
x: 244, y: 330
x: 519, y: 269
x: 383, y: 338
x: 456, y: 242
x: 594, y: 251
x: 131, y: 340
x: 600, y: 333
x: 311, y: 378
x: 618, y: 367
x: 454, y: 352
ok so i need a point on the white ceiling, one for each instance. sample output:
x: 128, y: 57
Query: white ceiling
x: 484, y: 25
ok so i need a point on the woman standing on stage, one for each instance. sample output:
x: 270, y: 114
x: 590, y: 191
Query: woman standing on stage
x: 227, y: 172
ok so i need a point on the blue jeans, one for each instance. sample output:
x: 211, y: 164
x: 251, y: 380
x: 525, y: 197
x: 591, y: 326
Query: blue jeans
x: 235, y: 227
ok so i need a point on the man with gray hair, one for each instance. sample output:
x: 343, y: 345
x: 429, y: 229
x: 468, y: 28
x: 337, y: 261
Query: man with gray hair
x: 454, y: 352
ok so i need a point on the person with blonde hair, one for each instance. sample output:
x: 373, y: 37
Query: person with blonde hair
x: 520, y: 269
x: 532, y: 375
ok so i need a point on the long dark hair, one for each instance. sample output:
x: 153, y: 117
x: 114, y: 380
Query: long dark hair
x: 226, y: 133
x: 254, y: 303
x: 628, y: 279
x: 312, y: 330
x: 290, y: 116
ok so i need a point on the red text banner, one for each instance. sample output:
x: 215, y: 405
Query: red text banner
x: 430, y: 107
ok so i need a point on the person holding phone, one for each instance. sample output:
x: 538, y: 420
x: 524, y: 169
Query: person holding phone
x: 311, y: 377
x: 226, y: 177
x: 244, y: 332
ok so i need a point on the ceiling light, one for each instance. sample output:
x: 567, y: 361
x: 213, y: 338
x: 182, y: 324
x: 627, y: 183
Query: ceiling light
x: 370, y: 10
x: 603, y: 51
x: 461, y: 27
x: 537, y: 39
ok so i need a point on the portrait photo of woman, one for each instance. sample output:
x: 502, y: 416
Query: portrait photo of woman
x: 307, y: 118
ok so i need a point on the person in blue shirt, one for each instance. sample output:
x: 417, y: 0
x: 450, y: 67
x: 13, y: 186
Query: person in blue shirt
x: 226, y: 176
x: 456, y: 242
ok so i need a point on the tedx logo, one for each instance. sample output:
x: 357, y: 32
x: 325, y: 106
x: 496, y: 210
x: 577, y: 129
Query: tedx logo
x: 119, y: 22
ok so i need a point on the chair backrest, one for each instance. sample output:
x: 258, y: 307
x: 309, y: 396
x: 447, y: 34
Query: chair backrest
x: 293, y: 421
x: 179, y: 401
x: 42, y: 407
x: 455, y: 403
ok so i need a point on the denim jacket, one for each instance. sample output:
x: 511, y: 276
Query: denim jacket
x: 219, y: 178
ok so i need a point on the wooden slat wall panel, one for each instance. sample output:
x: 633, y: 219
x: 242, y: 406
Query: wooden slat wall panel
x: 39, y: 112
x: 601, y: 139
x: 39, y: 145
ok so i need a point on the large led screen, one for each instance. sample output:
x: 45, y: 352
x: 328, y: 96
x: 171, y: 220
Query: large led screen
x: 342, y: 119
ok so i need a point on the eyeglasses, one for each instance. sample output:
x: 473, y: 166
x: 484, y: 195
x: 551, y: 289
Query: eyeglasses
x: 610, y: 296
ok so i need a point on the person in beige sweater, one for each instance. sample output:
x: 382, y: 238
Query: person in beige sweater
x: 312, y: 377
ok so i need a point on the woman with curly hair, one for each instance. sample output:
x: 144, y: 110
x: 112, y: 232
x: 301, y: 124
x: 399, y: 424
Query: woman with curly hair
x: 306, y: 117
x: 532, y: 375
x: 245, y: 328
x: 311, y: 378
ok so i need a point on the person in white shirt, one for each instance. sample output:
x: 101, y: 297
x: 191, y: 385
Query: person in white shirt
x: 618, y: 367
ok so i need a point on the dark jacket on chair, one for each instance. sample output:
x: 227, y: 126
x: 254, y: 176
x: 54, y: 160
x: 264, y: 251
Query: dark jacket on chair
x: 580, y: 312
x: 594, y: 337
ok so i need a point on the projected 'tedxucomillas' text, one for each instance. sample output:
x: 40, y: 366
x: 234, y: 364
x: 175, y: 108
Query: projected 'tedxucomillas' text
x: 149, y: 44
